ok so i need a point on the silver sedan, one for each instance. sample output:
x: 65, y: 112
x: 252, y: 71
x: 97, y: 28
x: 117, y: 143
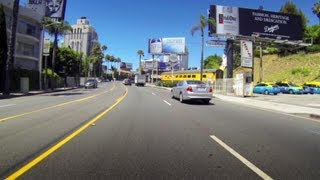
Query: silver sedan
x: 192, y: 89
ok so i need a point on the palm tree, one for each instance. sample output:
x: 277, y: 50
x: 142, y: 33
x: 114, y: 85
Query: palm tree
x: 56, y: 29
x: 11, y: 48
x: 316, y: 10
x: 140, y: 53
x: 204, y: 22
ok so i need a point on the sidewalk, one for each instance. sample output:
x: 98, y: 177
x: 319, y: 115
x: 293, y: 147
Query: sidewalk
x: 36, y: 92
x: 274, y: 106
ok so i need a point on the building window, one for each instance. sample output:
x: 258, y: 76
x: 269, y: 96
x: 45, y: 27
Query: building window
x: 193, y: 76
x: 189, y: 76
x: 27, y: 49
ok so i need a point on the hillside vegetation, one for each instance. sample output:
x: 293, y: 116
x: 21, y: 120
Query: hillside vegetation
x: 298, y: 68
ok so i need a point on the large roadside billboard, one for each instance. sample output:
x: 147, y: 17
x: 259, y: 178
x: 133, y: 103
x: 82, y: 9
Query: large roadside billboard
x: 253, y: 22
x: 175, y: 45
x: 54, y: 9
x: 126, y: 66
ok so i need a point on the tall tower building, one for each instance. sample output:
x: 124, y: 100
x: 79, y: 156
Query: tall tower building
x: 82, y: 38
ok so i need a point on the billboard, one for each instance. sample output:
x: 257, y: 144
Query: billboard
x: 248, y: 22
x: 126, y: 66
x: 155, y: 46
x: 167, y: 45
x: 246, y: 53
x: 54, y: 9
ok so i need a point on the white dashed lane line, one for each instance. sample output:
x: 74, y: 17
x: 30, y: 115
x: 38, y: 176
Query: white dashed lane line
x: 241, y: 158
x: 8, y: 105
x: 167, y: 102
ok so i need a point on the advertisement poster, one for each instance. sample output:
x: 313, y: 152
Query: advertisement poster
x: 248, y: 22
x: 246, y: 53
x: 155, y: 46
x: 173, y: 45
x: 54, y: 9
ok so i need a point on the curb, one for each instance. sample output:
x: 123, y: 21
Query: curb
x: 37, y: 93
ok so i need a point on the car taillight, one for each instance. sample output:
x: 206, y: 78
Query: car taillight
x: 189, y: 89
x: 210, y: 90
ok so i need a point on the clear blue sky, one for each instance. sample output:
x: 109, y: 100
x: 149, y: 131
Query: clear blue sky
x: 125, y: 25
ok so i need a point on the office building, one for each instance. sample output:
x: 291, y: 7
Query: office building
x: 82, y: 38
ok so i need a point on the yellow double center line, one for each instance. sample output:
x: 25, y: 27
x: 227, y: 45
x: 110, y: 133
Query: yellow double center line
x: 57, y: 146
x: 55, y: 106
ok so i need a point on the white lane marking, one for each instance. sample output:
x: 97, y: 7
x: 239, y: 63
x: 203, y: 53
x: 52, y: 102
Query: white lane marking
x: 242, y: 159
x: 314, y: 132
x: 153, y: 94
x: 7, y: 105
x: 167, y: 102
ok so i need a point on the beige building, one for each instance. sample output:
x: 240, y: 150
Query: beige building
x: 27, y: 51
x: 82, y: 37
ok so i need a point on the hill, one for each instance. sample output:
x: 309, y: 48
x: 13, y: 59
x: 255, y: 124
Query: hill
x: 298, y: 68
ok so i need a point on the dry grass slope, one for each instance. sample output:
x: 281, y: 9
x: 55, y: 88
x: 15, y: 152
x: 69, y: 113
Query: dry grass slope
x: 298, y: 68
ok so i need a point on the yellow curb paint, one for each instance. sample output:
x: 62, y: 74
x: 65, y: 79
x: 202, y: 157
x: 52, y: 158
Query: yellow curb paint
x: 57, y: 146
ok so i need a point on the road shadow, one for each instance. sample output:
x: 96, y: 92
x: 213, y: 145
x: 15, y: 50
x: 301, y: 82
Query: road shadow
x: 66, y: 94
x: 198, y: 103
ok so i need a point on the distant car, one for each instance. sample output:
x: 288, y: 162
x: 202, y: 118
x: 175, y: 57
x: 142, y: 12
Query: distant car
x: 290, y: 88
x: 307, y: 89
x: 91, y: 83
x: 127, y: 82
x: 266, y: 88
x: 98, y: 80
x: 192, y: 90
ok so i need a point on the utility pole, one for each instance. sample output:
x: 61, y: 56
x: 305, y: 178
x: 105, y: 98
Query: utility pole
x: 261, y: 70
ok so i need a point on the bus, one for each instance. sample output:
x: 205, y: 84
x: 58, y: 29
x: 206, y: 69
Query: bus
x: 208, y: 75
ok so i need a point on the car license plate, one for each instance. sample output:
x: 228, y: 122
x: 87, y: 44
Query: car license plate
x: 201, y: 89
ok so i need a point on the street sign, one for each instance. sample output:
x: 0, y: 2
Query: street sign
x: 46, y: 46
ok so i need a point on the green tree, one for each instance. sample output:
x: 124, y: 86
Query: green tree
x: 204, y: 22
x: 3, y: 47
x: 56, y: 29
x: 290, y: 8
x: 96, y: 57
x: 316, y: 10
x: 11, y: 48
x: 140, y: 54
x: 212, y: 62
x: 314, y: 33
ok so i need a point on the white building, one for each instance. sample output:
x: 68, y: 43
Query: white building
x: 82, y: 38
x: 27, y: 50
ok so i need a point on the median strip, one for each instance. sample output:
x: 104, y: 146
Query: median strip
x: 57, y: 146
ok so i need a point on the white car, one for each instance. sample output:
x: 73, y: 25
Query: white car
x: 192, y: 90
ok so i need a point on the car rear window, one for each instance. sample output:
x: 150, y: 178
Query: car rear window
x: 195, y: 82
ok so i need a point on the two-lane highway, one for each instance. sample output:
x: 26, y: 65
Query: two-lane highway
x: 145, y: 134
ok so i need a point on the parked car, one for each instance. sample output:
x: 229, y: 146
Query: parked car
x: 127, y: 82
x: 266, y: 88
x: 307, y: 89
x: 315, y: 86
x: 290, y: 88
x: 91, y: 83
x: 191, y: 90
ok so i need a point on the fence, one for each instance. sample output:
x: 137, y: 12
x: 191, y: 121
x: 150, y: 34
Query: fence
x: 224, y: 86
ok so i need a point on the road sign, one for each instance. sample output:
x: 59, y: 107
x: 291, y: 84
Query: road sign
x: 46, y: 46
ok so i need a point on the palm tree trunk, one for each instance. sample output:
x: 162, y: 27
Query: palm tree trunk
x: 55, y: 42
x: 202, y: 49
x: 11, y: 49
x: 140, y: 68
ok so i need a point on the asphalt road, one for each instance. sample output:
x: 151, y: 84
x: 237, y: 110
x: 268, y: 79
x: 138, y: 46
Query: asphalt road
x: 148, y: 135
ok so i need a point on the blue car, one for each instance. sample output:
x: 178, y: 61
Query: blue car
x: 314, y: 89
x: 265, y: 88
x: 289, y: 88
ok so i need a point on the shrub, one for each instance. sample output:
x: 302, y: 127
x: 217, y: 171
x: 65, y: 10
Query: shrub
x: 313, y: 49
x: 167, y: 83
x: 302, y: 71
